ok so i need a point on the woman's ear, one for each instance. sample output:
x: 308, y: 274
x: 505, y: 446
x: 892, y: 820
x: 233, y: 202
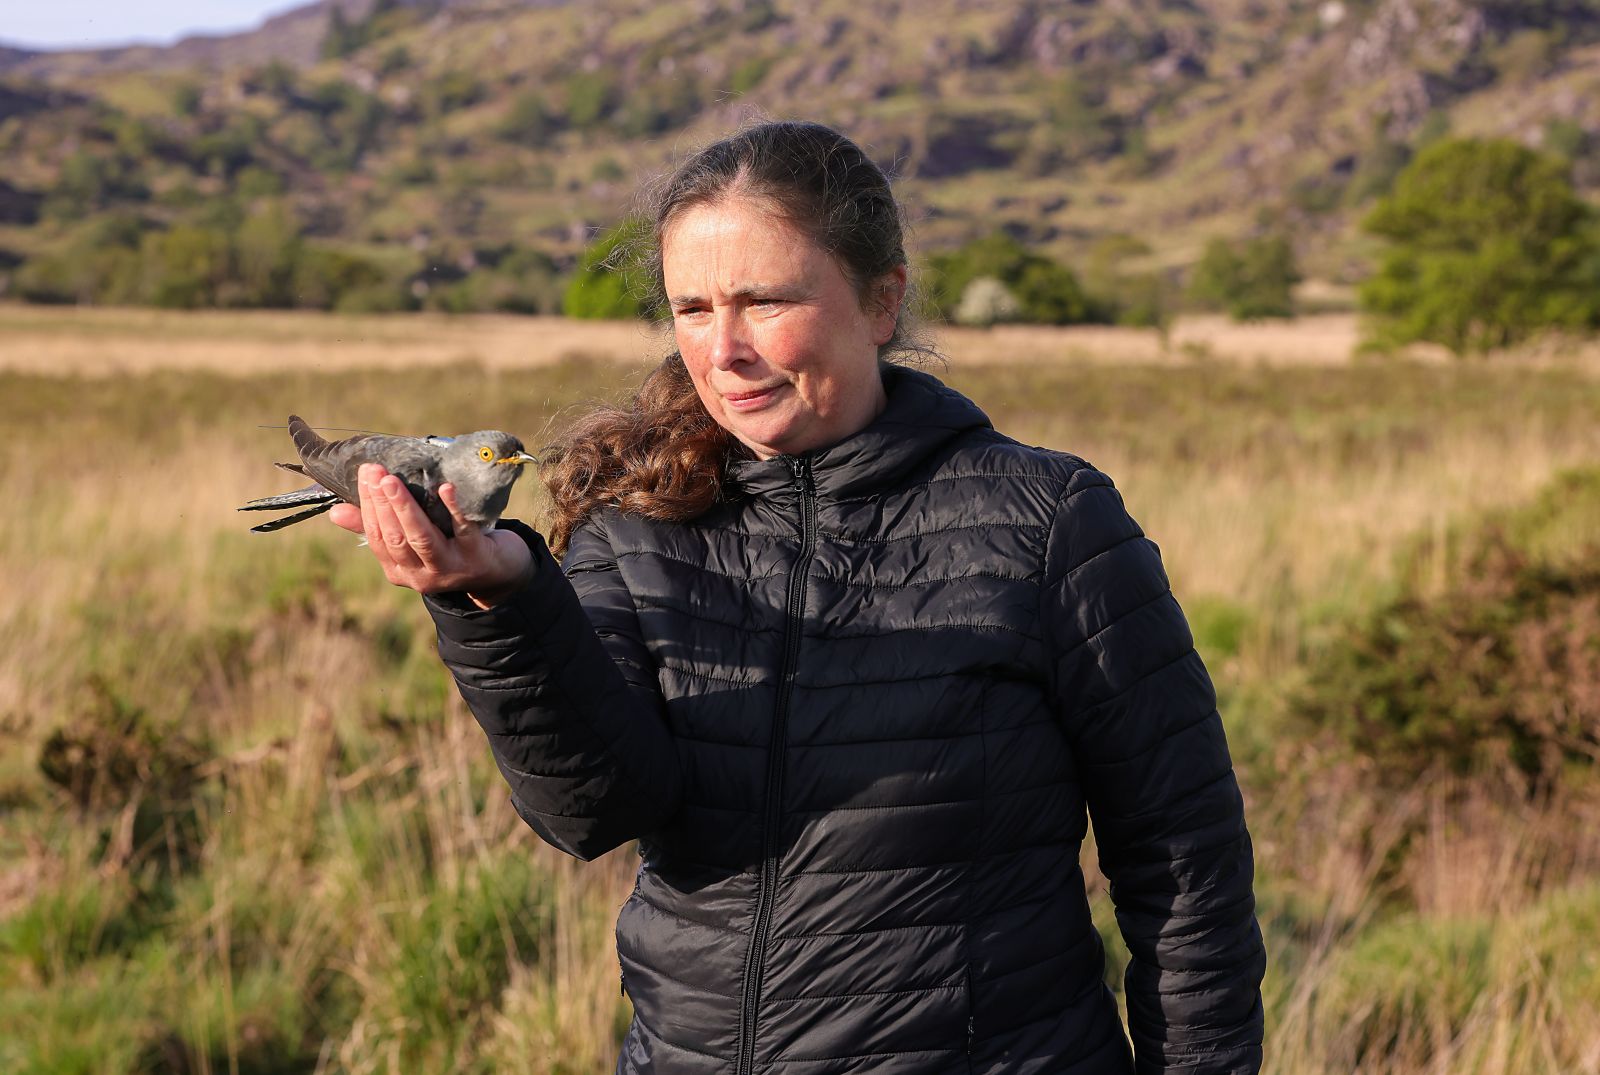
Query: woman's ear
x: 887, y: 295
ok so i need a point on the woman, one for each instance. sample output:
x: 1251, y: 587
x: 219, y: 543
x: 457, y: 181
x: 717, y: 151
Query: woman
x: 849, y: 665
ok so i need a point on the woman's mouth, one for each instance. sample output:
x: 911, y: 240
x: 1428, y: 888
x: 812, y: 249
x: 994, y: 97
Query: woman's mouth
x: 751, y: 400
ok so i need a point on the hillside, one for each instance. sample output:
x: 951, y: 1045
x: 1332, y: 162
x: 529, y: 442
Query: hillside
x: 439, y: 140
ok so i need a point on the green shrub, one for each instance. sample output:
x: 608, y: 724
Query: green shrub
x: 522, y: 282
x: 90, y: 181
x: 1045, y: 291
x: 82, y: 274
x: 607, y: 284
x: 1489, y: 246
x: 185, y: 267
x: 323, y: 277
x: 1498, y: 670
x: 1250, y: 280
x: 114, y: 753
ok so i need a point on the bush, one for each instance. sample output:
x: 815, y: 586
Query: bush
x: 89, y: 181
x: 114, y: 757
x: 1045, y: 292
x: 1499, y: 671
x: 986, y: 302
x: 1250, y: 280
x: 1489, y: 246
x: 185, y: 267
x: 323, y: 278
x: 606, y: 284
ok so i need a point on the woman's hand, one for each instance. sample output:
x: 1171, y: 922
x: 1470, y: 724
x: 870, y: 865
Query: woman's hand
x: 487, y: 565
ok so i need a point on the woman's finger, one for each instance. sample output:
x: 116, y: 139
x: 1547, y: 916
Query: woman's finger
x: 421, y: 535
x: 367, y: 481
x: 465, y: 528
x: 390, y: 532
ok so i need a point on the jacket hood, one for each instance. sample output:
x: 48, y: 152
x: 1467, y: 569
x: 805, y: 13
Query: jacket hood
x: 921, y: 416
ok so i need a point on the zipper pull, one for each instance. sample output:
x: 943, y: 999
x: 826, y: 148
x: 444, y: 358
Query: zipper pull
x: 802, y: 474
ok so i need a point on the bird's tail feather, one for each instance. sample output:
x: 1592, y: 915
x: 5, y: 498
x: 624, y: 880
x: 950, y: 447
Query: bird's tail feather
x: 299, y: 516
x: 311, y: 494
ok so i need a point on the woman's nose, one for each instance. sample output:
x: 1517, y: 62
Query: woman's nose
x: 730, y: 340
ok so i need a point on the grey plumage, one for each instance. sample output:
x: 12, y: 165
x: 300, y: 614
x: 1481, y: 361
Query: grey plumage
x: 482, y: 466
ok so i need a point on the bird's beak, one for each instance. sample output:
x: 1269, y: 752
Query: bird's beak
x: 519, y: 459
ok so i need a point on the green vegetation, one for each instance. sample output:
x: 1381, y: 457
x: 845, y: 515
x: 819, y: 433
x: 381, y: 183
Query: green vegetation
x: 1489, y: 245
x: 427, y: 141
x: 1250, y: 280
x: 243, y: 260
x: 1035, y: 288
x: 1495, y: 664
x: 609, y: 282
x: 248, y: 823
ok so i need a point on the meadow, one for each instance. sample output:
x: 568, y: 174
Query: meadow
x: 246, y: 825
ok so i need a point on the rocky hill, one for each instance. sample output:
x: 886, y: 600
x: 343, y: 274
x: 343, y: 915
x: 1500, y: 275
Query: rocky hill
x: 456, y: 131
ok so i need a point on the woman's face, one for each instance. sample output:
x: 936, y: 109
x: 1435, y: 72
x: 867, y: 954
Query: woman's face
x: 773, y: 333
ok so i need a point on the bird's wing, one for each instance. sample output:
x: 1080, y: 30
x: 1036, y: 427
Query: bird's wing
x: 335, y: 464
x: 331, y: 464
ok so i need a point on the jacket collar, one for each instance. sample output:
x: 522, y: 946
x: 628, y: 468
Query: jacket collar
x: 921, y: 415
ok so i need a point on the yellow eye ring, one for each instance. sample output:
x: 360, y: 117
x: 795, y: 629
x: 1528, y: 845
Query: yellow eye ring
x: 486, y: 454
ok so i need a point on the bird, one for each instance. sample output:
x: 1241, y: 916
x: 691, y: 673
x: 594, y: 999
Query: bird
x: 482, y: 466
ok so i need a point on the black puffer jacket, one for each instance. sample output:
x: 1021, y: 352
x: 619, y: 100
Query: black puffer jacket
x: 854, y: 717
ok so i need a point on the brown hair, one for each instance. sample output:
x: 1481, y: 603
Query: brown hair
x: 662, y: 456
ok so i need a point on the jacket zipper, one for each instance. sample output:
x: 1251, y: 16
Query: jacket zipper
x: 773, y: 810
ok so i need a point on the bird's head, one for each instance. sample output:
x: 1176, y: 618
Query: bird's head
x: 489, y: 448
x: 483, y: 465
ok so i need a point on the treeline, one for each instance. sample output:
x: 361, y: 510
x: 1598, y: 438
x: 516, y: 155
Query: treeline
x: 1486, y: 244
x: 260, y: 259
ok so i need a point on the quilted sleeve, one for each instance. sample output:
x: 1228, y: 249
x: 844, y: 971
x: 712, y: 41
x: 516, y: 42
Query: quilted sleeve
x: 1141, y: 712
x: 560, y: 680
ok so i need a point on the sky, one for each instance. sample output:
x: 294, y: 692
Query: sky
x: 94, y: 23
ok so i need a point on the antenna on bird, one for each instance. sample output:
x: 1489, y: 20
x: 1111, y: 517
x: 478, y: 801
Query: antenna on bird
x: 331, y: 429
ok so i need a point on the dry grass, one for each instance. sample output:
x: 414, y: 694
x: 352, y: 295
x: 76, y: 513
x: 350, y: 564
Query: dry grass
x: 98, y: 342
x: 351, y: 837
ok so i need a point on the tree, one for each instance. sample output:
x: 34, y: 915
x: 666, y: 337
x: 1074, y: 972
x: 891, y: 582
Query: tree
x: 986, y: 302
x: 1046, y: 292
x: 1250, y: 280
x: 186, y: 266
x: 1489, y: 246
x: 604, y: 285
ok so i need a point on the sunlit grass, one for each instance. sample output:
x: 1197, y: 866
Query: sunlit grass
x: 346, y: 888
